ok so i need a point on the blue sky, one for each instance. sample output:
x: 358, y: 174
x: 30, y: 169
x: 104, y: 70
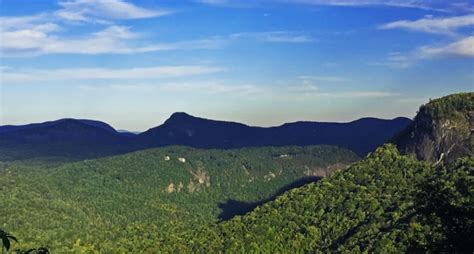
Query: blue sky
x: 134, y: 63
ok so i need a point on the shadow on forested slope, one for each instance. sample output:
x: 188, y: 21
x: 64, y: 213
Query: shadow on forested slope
x: 232, y: 208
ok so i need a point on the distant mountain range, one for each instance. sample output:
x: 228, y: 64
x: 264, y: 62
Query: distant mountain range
x: 360, y: 136
x: 90, y: 138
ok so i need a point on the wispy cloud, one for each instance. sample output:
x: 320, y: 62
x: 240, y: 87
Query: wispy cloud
x: 446, y: 25
x: 39, y: 40
x: 9, y: 75
x: 222, y: 87
x: 39, y: 34
x: 463, y: 47
x: 397, y: 60
x: 298, y: 92
x: 394, y: 3
x: 311, y: 78
x: 49, y: 32
x: 212, y: 87
x: 306, y: 86
x: 93, y: 10
x: 435, y: 5
x: 275, y: 36
x: 230, y: 3
x: 194, y: 87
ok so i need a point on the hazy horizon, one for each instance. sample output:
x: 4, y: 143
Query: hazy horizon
x: 263, y: 63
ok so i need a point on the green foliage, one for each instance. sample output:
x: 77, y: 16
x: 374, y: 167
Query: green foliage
x: 442, y: 130
x: 386, y: 203
x: 6, y: 239
x: 125, y: 203
x: 450, y: 106
x: 445, y: 206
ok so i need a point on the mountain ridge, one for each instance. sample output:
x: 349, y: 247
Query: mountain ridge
x: 361, y: 136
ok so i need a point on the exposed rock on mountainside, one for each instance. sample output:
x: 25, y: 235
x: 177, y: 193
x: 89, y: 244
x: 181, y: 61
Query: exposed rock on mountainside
x: 442, y: 131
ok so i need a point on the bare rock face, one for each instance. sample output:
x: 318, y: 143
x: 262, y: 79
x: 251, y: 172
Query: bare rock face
x: 174, y: 187
x: 200, y: 181
x: 170, y: 188
x: 443, y: 130
x: 323, y: 171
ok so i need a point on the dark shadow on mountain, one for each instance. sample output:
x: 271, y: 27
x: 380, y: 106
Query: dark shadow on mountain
x: 232, y: 208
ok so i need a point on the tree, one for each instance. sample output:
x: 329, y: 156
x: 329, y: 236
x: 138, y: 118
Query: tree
x: 6, y: 237
x: 41, y: 250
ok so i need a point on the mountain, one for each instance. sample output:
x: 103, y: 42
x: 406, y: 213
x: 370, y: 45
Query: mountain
x: 79, y: 139
x: 443, y: 129
x: 360, y: 136
x: 386, y: 203
x: 65, y: 137
x: 152, y: 196
x: 127, y: 133
x: 99, y: 124
x: 251, y: 200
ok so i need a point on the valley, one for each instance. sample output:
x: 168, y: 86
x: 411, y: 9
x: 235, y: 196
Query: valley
x: 306, y: 198
x: 236, y: 126
x: 173, y: 188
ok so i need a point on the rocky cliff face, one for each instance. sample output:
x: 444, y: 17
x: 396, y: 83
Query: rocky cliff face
x: 442, y: 131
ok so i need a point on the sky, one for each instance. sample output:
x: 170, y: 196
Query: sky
x: 261, y: 62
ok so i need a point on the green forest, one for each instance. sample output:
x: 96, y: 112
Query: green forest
x: 147, y: 200
x: 314, y: 199
x: 386, y: 202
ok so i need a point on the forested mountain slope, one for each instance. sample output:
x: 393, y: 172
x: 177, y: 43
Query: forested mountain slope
x: 169, y: 199
x: 135, y: 201
x: 386, y: 203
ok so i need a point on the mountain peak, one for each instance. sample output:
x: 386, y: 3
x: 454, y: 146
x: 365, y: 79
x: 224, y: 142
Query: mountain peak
x: 442, y: 130
x: 180, y: 117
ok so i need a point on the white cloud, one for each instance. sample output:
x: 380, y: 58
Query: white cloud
x: 305, y: 86
x: 445, y: 25
x: 212, y: 87
x: 313, y: 91
x: 111, y: 40
x: 24, y: 37
x: 194, y: 87
x: 49, y: 33
x: 396, y: 3
x: 213, y: 2
x: 358, y: 94
x: 38, y: 34
x: 9, y: 75
x: 91, y: 10
x: 418, y: 4
x: 18, y: 22
x: 304, y: 89
x: 463, y: 47
x: 306, y: 79
x: 275, y: 36
x: 400, y: 60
